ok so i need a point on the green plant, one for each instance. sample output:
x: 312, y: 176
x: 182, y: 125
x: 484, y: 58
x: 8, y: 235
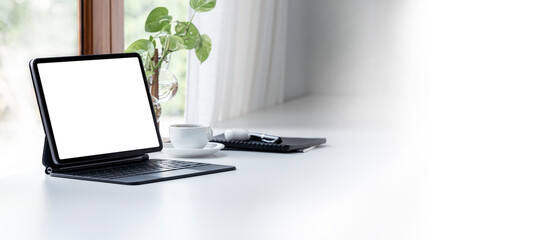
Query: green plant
x: 170, y: 36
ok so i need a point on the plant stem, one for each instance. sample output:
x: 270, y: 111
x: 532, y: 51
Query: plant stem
x: 165, y: 49
x: 190, y: 22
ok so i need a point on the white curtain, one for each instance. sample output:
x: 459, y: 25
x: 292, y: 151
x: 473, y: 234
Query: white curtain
x: 245, y: 70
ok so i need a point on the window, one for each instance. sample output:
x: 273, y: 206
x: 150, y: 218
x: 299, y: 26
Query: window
x: 135, y: 15
x: 44, y: 28
x: 28, y: 29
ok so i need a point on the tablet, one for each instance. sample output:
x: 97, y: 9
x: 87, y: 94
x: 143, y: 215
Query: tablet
x: 95, y: 108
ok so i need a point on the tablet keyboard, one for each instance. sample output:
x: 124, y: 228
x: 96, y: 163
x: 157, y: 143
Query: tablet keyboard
x: 133, y: 169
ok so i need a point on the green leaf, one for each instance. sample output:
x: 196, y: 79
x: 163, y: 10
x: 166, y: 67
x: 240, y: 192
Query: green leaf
x: 152, y: 39
x: 162, y: 40
x: 167, y: 28
x: 191, y: 37
x: 180, y: 28
x: 202, y: 5
x: 142, y: 47
x: 175, y: 43
x: 204, y: 48
x: 157, y: 19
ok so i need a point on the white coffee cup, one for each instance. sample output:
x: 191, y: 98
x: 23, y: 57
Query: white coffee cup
x: 190, y: 136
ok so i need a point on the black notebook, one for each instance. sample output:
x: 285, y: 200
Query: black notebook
x: 289, y: 144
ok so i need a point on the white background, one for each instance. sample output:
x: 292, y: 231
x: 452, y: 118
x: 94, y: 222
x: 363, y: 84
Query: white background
x: 467, y: 69
x: 97, y: 106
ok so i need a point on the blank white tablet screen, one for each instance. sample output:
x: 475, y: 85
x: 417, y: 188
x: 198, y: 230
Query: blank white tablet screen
x: 97, y: 106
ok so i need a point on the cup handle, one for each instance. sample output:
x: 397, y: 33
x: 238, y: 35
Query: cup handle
x: 209, y: 133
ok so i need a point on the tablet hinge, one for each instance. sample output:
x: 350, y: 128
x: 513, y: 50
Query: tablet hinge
x: 98, y: 164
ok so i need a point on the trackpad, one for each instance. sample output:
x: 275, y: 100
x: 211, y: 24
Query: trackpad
x: 160, y: 175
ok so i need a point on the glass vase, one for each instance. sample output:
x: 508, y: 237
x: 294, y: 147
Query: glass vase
x: 167, y: 82
x: 167, y: 86
x: 157, y: 107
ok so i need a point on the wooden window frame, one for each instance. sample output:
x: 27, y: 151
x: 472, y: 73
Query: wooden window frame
x: 100, y: 26
x: 101, y: 29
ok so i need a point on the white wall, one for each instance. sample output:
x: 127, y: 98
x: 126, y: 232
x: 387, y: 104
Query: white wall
x: 344, y: 47
x: 380, y: 47
x: 296, y: 80
x: 472, y: 66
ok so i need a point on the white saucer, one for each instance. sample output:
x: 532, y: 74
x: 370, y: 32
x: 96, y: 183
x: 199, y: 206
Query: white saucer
x: 209, y: 149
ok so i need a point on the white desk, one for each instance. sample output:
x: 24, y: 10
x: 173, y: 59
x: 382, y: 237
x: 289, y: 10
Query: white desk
x: 371, y: 181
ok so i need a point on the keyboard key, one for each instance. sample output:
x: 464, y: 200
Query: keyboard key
x: 133, y: 169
